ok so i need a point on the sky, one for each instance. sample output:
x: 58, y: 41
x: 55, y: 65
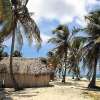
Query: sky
x: 48, y: 14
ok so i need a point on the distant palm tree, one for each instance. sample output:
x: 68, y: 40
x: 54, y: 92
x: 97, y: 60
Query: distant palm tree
x: 61, y: 40
x: 75, y: 55
x: 2, y: 53
x: 15, y: 14
x: 5, y: 54
x: 17, y: 54
x: 51, y: 61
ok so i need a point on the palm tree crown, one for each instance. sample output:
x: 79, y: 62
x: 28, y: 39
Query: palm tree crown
x: 19, y: 16
x: 61, y: 40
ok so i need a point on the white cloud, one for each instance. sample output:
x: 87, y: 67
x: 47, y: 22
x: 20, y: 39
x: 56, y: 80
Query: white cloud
x: 62, y: 10
x: 45, y: 38
x: 93, y: 5
x: 7, y: 42
x: 91, y: 1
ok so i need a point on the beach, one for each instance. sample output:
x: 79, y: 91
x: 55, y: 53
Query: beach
x: 71, y: 90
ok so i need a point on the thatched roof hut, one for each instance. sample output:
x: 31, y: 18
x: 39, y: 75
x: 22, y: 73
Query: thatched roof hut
x: 27, y: 72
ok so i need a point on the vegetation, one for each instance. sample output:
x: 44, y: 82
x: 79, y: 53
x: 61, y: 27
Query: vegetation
x: 67, y: 52
x: 61, y: 40
x: 75, y: 55
x: 2, y: 53
x: 18, y: 15
x: 69, y: 49
x: 91, y: 52
x: 17, y: 54
x: 51, y: 60
x: 74, y: 51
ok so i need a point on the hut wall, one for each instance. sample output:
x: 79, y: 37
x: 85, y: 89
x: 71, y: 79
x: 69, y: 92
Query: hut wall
x: 26, y: 80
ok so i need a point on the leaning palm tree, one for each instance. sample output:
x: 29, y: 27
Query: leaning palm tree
x: 14, y: 13
x: 61, y: 40
x: 93, y: 48
x: 91, y: 51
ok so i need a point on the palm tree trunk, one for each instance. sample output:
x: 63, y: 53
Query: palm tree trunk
x: 92, y: 83
x: 15, y: 84
x: 64, y: 76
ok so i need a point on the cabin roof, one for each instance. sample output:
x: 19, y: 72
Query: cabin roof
x: 24, y: 66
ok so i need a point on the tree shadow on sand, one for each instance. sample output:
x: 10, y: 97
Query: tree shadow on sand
x: 26, y: 92
x: 66, y: 83
x: 4, y: 95
x: 95, y: 89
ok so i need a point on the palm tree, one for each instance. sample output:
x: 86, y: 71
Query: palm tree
x: 5, y: 54
x: 61, y: 40
x: 75, y: 55
x: 52, y: 62
x: 6, y: 16
x: 91, y: 51
x: 16, y: 14
x: 2, y: 53
x: 17, y: 54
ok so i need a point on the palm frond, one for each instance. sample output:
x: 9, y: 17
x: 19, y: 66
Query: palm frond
x: 63, y: 30
x: 19, y: 3
x: 54, y: 40
x: 78, y: 41
x: 44, y: 60
x: 89, y: 59
x: 6, y: 18
x: 18, y: 39
x: 31, y: 29
x: 97, y: 40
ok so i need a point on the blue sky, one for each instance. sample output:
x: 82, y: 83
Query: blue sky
x: 50, y: 13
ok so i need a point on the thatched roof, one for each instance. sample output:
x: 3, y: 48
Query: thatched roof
x: 25, y: 66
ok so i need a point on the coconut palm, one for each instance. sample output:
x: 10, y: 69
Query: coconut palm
x: 61, y: 40
x: 51, y: 61
x: 75, y: 55
x: 91, y: 51
x: 6, y: 16
x: 2, y: 53
x: 14, y: 13
x: 17, y: 54
x: 93, y: 48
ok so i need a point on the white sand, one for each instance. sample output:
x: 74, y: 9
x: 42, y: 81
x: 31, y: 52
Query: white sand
x: 71, y: 90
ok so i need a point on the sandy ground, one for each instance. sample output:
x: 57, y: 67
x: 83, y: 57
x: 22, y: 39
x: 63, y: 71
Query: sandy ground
x: 71, y: 90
